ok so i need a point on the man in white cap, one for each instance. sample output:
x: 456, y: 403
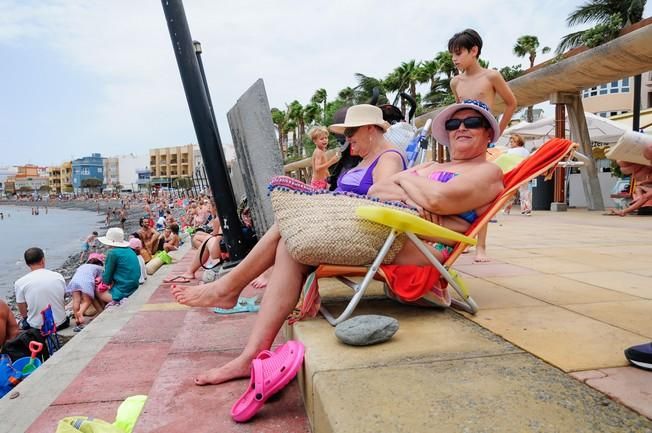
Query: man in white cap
x: 121, y: 268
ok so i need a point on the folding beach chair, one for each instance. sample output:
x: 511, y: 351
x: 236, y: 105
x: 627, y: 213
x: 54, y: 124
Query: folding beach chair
x: 434, y: 293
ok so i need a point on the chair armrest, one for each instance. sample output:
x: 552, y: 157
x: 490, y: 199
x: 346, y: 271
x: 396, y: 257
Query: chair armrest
x: 406, y: 222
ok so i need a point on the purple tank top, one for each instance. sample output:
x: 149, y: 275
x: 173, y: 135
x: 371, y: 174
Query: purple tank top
x: 359, y: 180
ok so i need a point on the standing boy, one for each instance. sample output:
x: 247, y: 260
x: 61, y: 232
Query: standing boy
x: 320, y: 163
x: 87, y: 245
x: 476, y: 82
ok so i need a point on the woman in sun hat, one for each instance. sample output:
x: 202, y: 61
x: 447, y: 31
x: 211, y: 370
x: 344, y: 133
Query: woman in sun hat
x: 449, y: 193
x: 121, y: 268
x: 363, y: 128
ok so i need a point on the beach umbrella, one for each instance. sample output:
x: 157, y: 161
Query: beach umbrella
x: 600, y: 129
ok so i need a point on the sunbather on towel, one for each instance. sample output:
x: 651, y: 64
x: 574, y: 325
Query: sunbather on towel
x: 468, y: 127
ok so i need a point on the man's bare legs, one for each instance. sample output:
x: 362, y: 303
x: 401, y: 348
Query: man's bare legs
x: 224, y: 292
x: 280, y: 298
x: 481, y: 246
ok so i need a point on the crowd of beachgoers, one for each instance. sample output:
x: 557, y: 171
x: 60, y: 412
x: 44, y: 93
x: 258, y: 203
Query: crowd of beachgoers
x: 132, y: 230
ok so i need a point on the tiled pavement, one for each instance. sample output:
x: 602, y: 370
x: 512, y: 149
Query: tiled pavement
x: 573, y: 289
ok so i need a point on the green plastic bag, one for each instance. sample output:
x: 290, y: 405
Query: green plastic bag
x: 126, y: 418
x: 164, y: 256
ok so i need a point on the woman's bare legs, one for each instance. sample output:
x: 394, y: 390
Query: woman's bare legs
x: 280, y: 298
x: 224, y: 292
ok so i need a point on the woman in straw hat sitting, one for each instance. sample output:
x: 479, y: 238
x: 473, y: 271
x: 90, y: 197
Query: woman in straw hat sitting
x: 121, y: 268
x: 471, y: 184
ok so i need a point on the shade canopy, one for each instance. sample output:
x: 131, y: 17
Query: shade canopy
x: 600, y: 129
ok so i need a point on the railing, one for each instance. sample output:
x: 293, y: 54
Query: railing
x: 302, y: 170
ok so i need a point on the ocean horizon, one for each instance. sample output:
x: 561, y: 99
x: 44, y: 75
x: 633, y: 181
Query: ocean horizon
x: 59, y: 233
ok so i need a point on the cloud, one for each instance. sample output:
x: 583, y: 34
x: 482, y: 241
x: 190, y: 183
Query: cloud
x: 121, y: 50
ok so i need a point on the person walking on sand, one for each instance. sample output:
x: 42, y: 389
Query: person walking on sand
x: 477, y: 83
x: 320, y: 162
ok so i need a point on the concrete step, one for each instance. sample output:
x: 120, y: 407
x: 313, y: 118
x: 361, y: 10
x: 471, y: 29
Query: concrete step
x: 441, y: 372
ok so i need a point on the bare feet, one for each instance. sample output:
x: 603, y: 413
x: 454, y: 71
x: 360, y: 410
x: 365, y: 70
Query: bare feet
x: 205, y: 295
x: 259, y: 282
x: 481, y: 256
x: 235, y: 369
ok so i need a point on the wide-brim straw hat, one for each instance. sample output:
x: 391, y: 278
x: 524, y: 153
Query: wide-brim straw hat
x: 115, y: 237
x: 360, y: 115
x: 439, y: 123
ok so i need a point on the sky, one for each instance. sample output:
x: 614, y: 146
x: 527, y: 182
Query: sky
x: 85, y: 76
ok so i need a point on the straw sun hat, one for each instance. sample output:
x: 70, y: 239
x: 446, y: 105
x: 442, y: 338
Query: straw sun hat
x: 115, y: 237
x: 360, y: 115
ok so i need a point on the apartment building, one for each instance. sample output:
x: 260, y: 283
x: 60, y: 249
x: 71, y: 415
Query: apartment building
x: 87, y: 171
x: 54, y: 179
x: 66, y: 176
x: 617, y: 97
x: 169, y: 163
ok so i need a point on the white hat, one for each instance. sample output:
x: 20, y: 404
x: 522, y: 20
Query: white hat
x: 360, y: 115
x: 115, y: 237
x: 439, y: 123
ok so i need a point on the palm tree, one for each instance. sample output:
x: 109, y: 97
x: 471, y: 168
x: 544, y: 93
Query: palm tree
x: 320, y: 97
x: 527, y: 45
x: 601, y: 13
x: 428, y: 72
x: 365, y: 88
x: 446, y: 65
x: 347, y: 95
x: 312, y: 113
x: 279, y: 118
x: 296, y: 113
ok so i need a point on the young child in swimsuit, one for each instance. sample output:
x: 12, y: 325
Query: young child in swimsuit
x: 320, y: 162
x: 476, y: 82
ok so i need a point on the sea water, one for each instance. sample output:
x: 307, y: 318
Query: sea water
x: 58, y: 233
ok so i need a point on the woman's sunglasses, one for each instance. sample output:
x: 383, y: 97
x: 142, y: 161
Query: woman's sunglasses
x: 469, y: 122
x: 350, y: 132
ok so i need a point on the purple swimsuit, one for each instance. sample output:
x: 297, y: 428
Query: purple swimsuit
x: 358, y: 180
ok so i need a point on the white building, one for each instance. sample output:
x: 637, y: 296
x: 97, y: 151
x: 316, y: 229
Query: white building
x: 5, y: 172
x: 128, y: 168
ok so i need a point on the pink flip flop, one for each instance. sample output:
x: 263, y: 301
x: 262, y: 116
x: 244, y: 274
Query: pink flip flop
x: 270, y: 372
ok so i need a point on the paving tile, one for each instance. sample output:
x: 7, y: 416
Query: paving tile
x: 508, y: 394
x: 615, y: 263
x: 489, y: 295
x: 116, y: 372
x: 178, y: 405
x: 162, y: 294
x: 621, y: 281
x: 551, y: 265
x: 633, y: 316
x: 492, y: 269
x: 560, y: 290
x: 151, y: 326
x: 565, y: 339
x: 203, y: 330
x: 48, y: 420
x: 628, y: 385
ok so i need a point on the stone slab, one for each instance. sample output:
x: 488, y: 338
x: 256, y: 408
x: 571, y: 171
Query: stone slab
x: 624, y: 282
x: 563, y: 338
x: 140, y: 329
x: 257, y: 150
x: 489, y: 295
x: 513, y: 393
x: 490, y: 269
x: 628, y: 385
x: 560, y: 290
x: 552, y: 265
x: 632, y: 316
x: 118, y: 371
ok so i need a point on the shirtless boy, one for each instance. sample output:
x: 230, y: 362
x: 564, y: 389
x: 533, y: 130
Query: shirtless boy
x: 476, y: 82
x: 320, y: 163
x: 8, y: 325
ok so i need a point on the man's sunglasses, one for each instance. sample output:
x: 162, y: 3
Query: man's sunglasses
x: 350, y: 132
x: 469, y: 122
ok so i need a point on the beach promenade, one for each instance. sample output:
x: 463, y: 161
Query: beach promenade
x: 562, y: 298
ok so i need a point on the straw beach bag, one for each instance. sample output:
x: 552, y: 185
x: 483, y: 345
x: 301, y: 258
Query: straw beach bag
x: 321, y: 227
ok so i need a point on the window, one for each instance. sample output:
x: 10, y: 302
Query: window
x: 625, y: 85
x: 594, y: 91
x: 603, y: 89
x: 85, y: 171
x: 614, y: 87
x: 99, y: 170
